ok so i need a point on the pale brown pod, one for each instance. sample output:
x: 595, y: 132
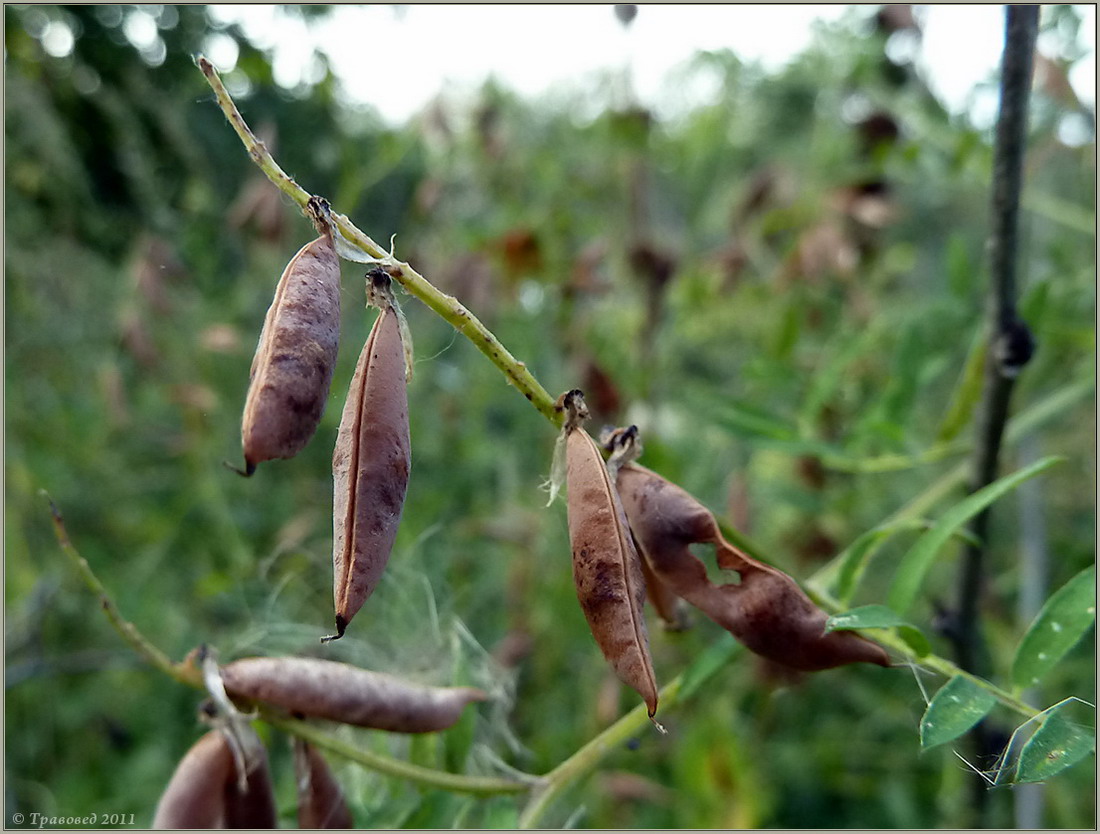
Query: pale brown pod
x: 340, y: 692
x: 606, y: 567
x: 195, y: 795
x: 370, y: 468
x: 292, y: 369
x: 765, y: 610
x: 204, y: 792
x: 321, y: 802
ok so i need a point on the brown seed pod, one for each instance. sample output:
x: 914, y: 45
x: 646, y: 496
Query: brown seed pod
x: 195, y: 796
x: 606, y: 568
x: 347, y: 694
x: 766, y: 611
x: 321, y: 802
x: 370, y: 464
x: 292, y: 369
x: 669, y: 607
x: 204, y: 792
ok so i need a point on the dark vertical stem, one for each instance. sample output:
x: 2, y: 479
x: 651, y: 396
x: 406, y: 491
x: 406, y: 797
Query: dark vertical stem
x: 1010, y: 338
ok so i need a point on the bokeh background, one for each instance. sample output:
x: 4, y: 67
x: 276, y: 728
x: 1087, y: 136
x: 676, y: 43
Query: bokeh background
x: 778, y: 280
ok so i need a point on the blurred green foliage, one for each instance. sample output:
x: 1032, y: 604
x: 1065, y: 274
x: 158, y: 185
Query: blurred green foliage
x: 787, y: 277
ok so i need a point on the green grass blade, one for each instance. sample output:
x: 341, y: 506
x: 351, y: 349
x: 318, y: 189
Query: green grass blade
x: 1065, y: 617
x: 967, y: 392
x: 958, y: 706
x: 916, y: 562
x: 1056, y: 745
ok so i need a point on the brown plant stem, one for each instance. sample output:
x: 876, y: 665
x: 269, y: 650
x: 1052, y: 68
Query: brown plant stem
x: 1012, y: 344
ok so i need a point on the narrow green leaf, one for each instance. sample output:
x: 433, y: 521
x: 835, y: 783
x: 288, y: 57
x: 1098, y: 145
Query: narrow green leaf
x: 866, y: 616
x: 709, y: 662
x: 968, y: 390
x: 1056, y: 745
x: 879, y: 616
x: 852, y: 563
x: 1063, y: 620
x: 958, y: 706
x: 916, y: 562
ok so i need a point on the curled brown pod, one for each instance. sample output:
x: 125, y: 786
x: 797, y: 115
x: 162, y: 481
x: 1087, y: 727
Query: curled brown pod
x: 347, y: 694
x: 606, y: 568
x: 205, y: 791
x: 292, y: 369
x: 371, y: 460
x: 765, y: 609
x: 321, y: 802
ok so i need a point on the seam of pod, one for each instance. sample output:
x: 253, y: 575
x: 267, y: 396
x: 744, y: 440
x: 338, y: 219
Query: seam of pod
x: 371, y: 459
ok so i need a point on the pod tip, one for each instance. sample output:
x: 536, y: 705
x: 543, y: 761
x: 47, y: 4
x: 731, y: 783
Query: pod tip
x: 341, y: 627
x: 248, y: 471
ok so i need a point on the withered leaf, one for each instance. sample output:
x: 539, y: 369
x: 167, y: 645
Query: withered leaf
x: 321, y: 802
x: 294, y: 360
x: 766, y: 610
x: 606, y: 567
x: 370, y: 469
x: 347, y: 694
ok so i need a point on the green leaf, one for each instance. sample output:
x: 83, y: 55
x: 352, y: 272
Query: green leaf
x: 916, y: 562
x: 709, y: 662
x: 854, y: 560
x: 967, y: 392
x: 879, y: 616
x: 958, y: 706
x: 1063, y: 620
x: 1056, y: 745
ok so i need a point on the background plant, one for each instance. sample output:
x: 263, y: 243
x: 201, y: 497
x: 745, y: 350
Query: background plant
x: 789, y: 365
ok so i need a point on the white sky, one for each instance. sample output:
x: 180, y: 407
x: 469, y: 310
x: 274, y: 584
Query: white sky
x: 399, y: 59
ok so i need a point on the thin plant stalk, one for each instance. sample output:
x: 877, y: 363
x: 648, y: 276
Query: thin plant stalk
x: 1012, y: 346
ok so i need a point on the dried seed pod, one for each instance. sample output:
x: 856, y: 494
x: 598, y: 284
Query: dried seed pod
x: 606, y: 567
x: 321, y: 802
x: 292, y: 369
x: 370, y: 464
x: 669, y: 607
x: 347, y: 694
x: 205, y: 792
x: 195, y: 796
x: 766, y: 610
x: 254, y: 807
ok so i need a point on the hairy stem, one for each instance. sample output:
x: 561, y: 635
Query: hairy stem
x: 445, y: 306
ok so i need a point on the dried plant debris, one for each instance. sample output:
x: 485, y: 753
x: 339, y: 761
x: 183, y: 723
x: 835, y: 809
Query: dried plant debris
x: 371, y: 461
x: 606, y: 567
x: 347, y: 694
x: 321, y: 802
x: 292, y: 369
x: 765, y: 610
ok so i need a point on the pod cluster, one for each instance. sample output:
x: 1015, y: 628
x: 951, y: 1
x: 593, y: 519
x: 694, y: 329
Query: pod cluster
x: 224, y: 780
x: 289, y: 387
x: 631, y: 531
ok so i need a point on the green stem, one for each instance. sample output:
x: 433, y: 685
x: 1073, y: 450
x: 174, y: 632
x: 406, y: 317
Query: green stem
x: 181, y: 673
x: 447, y: 307
x: 930, y: 661
x: 457, y: 783
x: 591, y: 754
x: 189, y: 674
